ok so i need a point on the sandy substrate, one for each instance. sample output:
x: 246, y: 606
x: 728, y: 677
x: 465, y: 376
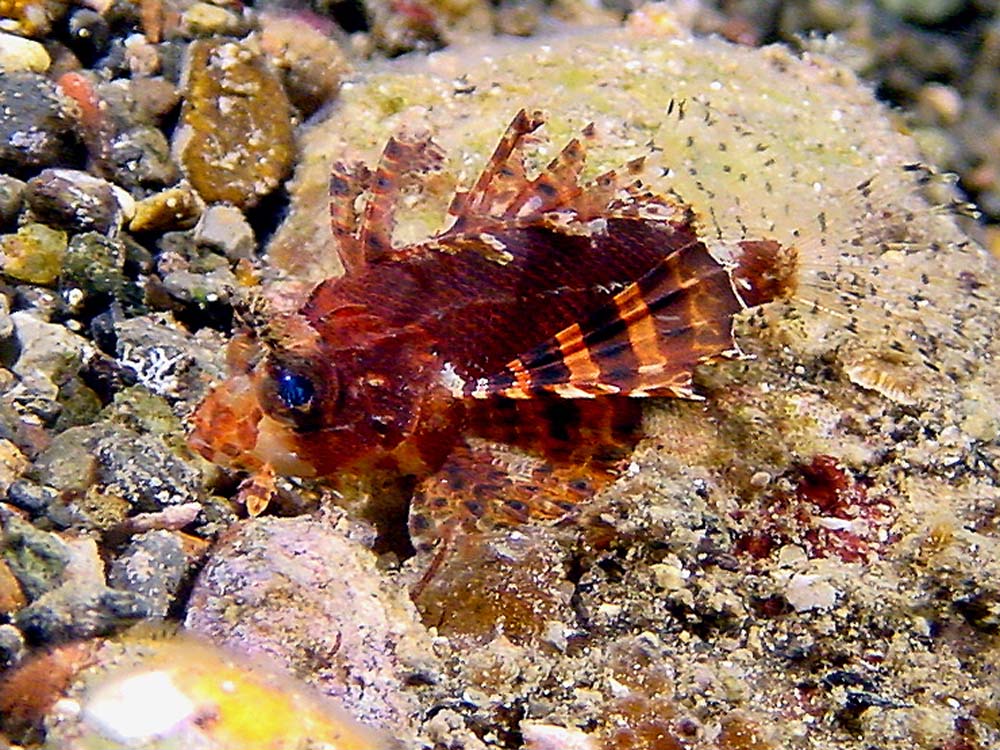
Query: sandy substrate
x: 806, y: 558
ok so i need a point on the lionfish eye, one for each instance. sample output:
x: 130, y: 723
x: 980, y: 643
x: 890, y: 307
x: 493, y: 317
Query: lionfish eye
x: 295, y: 391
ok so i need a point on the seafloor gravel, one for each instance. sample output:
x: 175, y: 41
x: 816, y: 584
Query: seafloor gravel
x: 805, y: 559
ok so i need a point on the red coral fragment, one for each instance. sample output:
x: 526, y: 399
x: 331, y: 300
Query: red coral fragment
x: 829, y: 514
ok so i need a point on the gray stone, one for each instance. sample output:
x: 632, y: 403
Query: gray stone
x: 35, y: 128
x: 200, y: 288
x: 74, y: 612
x: 37, y: 558
x: 140, y: 157
x: 163, y: 358
x: 11, y: 646
x: 48, y: 350
x: 50, y: 355
x: 30, y: 496
x: 11, y: 199
x: 69, y: 463
x: 76, y: 201
x: 143, y: 470
x: 226, y: 230
x: 81, y: 605
x: 153, y: 566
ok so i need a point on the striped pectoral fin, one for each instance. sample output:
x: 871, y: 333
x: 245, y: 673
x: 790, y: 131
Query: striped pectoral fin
x: 646, y: 341
x: 504, y: 191
x: 556, y: 188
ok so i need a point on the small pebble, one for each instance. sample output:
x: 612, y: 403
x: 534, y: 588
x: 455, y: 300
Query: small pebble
x: 47, y: 350
x: 539, y: 736
x: 11, y: 646
x: 76, y: 201
x: 33, y: 254
x: 161, y: 357
x: 18, y: 54
x: 79, y: 610
x: 143, y: 470
x: 224, y: 229
x: 153, y: 98
x: 140, y: 410
x: 35, y: 125
x: 80, y: 405
x: 40, y: 302
x: 141, y: 56
x: 140, y: 158
x: 38, y: 559
x: 89, y: 33
x: 174, y: 208
x: 171, y: 518
x: 810, y: 592
x: 313, y: 64
x: 154, y: 566
x: 32, y: 18
x: 95, y: 263
x: 939, y: 103
x: 30, y: 496
x: 92, y: 511
x: 11, y: 199
x: 200, y: 288
x: 68, y: 465
x: 206, y: 19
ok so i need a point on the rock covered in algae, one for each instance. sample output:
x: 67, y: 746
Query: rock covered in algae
x: 868, y: 412
x: 234, y: 140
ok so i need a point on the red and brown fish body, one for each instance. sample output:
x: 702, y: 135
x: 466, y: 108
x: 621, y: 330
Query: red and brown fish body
x: 541, y: 307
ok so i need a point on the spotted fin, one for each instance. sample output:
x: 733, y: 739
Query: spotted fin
x: 485, y: 485
x: 502, y: 178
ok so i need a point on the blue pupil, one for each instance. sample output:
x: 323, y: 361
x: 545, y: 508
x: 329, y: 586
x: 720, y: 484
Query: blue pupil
x: 295, y: 390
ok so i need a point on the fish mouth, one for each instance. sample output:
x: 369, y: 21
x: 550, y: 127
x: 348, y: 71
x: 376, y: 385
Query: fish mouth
x: 277, y: 446
x: 226, y: 426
